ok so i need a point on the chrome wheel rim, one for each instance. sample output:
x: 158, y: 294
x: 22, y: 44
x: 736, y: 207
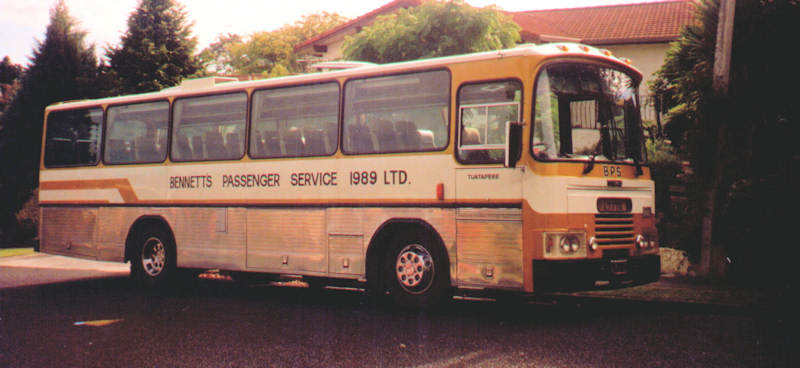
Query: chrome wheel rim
x: 154, y: 256
x: 414, y: 268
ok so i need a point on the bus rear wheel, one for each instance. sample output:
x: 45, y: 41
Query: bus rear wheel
x: 415, y: 272
x: 153, y: 260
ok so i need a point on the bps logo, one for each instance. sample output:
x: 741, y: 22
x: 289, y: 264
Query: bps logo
x: 612, y: 171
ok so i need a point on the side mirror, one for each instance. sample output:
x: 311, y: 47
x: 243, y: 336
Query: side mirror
x: 513, y: 145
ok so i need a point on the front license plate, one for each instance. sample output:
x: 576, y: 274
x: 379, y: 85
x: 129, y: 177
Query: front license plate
x: 619, y: 266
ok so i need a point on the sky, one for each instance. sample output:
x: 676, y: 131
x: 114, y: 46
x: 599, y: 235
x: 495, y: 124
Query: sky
x: 23, y: 22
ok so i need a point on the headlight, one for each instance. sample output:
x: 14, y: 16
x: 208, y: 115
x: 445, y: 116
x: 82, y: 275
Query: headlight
x: 570, y: 244
x: 641, y: 241
x: 565, y: 244
x: 652, y: 238
x: 645, y: 241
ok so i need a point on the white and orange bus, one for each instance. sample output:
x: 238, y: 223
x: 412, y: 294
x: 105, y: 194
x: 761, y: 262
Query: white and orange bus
x: 516, y: 170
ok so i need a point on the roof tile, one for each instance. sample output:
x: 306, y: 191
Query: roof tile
x: 630, y: 23
x: 603, y: 25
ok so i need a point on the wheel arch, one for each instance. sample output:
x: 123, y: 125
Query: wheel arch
x: 380, y: 242
x: 139, y: 225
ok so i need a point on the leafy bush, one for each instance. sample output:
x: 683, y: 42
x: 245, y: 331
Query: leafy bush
x: 28, y: 219
x: 662, y: 158
x: 432, y: 29
x: 678, y: 223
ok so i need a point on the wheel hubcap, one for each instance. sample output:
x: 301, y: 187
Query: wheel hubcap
x: 154, y: 257
x: 414, y: 268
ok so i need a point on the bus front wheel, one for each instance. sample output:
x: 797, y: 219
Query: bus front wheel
x: 416, y: 272
x: 153, y: 261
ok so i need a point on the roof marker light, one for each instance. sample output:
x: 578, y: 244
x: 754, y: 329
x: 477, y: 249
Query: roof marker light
x: 607, y: 52
x: 584, y: 48
x: 563, y: 48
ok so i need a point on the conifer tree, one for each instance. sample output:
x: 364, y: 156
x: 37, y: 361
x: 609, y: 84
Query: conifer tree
x: 157, y: 51
x: 62, y: 68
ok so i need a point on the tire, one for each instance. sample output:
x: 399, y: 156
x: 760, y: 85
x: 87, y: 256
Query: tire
x: 416, y: 273
x: 153, y: 261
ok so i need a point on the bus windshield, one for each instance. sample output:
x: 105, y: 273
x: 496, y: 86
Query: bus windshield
x: 586, y: 112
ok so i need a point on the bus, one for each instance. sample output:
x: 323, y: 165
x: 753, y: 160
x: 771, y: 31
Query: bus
x: 520, y: 170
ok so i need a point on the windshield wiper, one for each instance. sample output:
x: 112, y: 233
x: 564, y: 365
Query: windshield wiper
x: 638, y: 166
x: 587, y: 168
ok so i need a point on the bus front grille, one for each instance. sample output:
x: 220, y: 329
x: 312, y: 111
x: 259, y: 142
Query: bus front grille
x: 614, y: 229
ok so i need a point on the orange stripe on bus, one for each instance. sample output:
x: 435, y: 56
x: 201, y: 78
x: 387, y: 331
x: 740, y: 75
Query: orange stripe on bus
x: 122, y: 185
x: 300, y: 202
x: 76, y: 203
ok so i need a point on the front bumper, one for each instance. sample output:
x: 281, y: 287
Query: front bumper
x: 588, y: 274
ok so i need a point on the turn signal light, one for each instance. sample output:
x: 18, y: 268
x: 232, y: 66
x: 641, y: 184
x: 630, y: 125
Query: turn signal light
x: 593, y: 244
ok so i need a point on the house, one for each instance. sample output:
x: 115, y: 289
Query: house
x: 641, y: 32
x: 327, y: 46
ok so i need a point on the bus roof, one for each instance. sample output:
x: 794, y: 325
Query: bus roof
x: 222, y: 84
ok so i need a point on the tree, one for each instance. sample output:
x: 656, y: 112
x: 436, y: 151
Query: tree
x: 156, y: 51
x: 742, y: 145
x: 266, y: 53
x: 62, y: 68
x: 9, y: 72
x: 217, y: 57
x: 432, y: 29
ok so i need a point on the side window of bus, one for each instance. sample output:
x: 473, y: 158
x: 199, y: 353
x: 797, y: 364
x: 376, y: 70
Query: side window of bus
x: 399, y: 113
x: 295, y: 121
x: 73, y: 137
x: 209, y: 127
x: 137, y: 133
x: 483, y: 111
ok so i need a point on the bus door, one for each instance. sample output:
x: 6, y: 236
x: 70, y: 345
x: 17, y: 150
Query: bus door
x: 488, y: 194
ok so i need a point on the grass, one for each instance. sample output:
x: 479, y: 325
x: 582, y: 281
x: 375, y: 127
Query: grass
x: 10, y: 252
